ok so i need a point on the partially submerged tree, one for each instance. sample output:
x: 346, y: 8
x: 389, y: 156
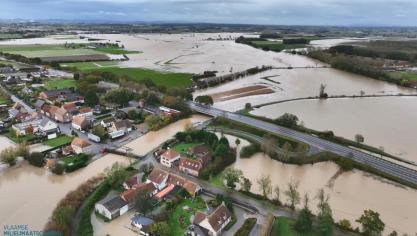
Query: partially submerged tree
x: 371, y: 223
x: 232, y: 176
x: 265, y: 185
x: 292, y: 194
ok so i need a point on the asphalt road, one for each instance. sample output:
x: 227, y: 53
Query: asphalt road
x: 382, y: 165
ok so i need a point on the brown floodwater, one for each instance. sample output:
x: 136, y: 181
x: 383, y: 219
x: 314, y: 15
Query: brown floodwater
x: 153, y: 139
x: 388, y: 122
x: 29, y: 194
x: 350, y: 192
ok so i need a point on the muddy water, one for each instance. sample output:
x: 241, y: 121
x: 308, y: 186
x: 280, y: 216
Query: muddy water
x: 389, y: 122
x: 29, y: 194
x: 5, y: 143
x: 350, y: 192
x: 296, y: 83
x: 151, y: 140
x: 118, y: 226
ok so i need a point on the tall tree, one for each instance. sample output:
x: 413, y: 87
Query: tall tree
x: 371, y: 223
x: 292, y: 194
x: 232, y: 176
x: 144, y: 203
x: 246, y: 184
x: 265, y: 185
x: 304, y: 222
x: 325, y: 217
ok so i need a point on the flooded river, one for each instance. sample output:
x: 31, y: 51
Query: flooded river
x: 153, y: 139
x: 388, y: 122
x: 350, y: 192
x: 29, y: 194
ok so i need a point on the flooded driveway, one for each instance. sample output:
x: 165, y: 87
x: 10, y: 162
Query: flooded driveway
x: 29, y: 194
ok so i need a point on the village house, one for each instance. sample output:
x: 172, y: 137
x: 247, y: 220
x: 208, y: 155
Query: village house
x: 190, y: 166
x: 80, y: 145
x: 202, y: 153
x: 61, y: 114
x: 70, y: 108
x: 25, y: 128
x: 79, y: 123
x: 162, y: 179
x: 112, y: 207
x: 107, y: 122
x: 86, y: 112
x: 120, y: 128
x: 48, y: 127
x: 215, y: 222
x: 55, y: 95
x: 159, y: 178
x: 169, y: 158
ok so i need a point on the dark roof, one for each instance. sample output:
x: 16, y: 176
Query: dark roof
x: 157, y: 176
x: 122, y: 124
x: 39, y: 103
x: 140, y: 220
x: 201, y: 149
x: 57, y: 92
x: 113, y: 204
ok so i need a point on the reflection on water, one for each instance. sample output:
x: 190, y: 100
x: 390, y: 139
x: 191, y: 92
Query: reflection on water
x: 29, y: 194
x: 350, y: 192
x: 153, y: 139
x: 389, y: 122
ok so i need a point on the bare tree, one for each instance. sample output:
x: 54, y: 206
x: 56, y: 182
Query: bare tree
x: 269, y: 144
x: 277, y: 193
x: 323, y: 93
x: 265, y: 185
x: 292, y: 194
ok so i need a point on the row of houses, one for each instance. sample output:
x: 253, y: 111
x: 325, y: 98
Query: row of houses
x: 199, y: 157
x: 159, y: 184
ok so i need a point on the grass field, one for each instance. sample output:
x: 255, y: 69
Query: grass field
x: 3, y: 100
x: 183, y: 148
x: 277, y: 45
x: 59, y: 141
x: 404, y: 75
x: 90, y: 65
x: 60, y: 84
x: 32, y: 51
x: 284, y: 227
x: 115, y: 50
x: 179, y: 220
x: 167, y: 79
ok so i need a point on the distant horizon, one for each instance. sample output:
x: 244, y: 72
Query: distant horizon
x: 156, y: 22
x: 377, y: 13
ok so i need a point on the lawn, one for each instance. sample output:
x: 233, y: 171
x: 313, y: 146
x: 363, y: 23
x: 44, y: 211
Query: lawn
x: 167, y: 79
x: 404, y: 75
x: 32, y: 51
x: 115, y: 50
x: 183, y: 148
x: 284, y: 227
x: 18, y: 139
x: 3, y: 100
x: 90, y: 65
x: 60, y: 84
x: 179, y: 220
x: 59, y: 141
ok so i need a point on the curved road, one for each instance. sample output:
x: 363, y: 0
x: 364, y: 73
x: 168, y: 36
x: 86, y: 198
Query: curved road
x: 387, y: 167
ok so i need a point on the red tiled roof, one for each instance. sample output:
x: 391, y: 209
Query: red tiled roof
x: 157, y: 176
x: 191, y: 164
x: 128, y: 195
x: 79, y: 142
x: 218, y: 217
x: 69, y: 107
x: 86, y: 110
x: 170, y: 154
x: 146, y: 186
x: 165, y: 191
x: 78, y: 120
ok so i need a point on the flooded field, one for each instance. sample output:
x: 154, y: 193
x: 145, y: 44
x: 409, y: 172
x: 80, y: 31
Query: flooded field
x: 153, y: 139
x: 289, y: 84
x: 388, y: 122
x: 29, y: 194
x: 350, y: 192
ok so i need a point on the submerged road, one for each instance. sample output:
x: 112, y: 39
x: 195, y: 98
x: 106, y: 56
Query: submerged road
x: 387, y: 167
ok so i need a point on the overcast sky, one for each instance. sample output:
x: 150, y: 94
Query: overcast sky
x: 277, y: 12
